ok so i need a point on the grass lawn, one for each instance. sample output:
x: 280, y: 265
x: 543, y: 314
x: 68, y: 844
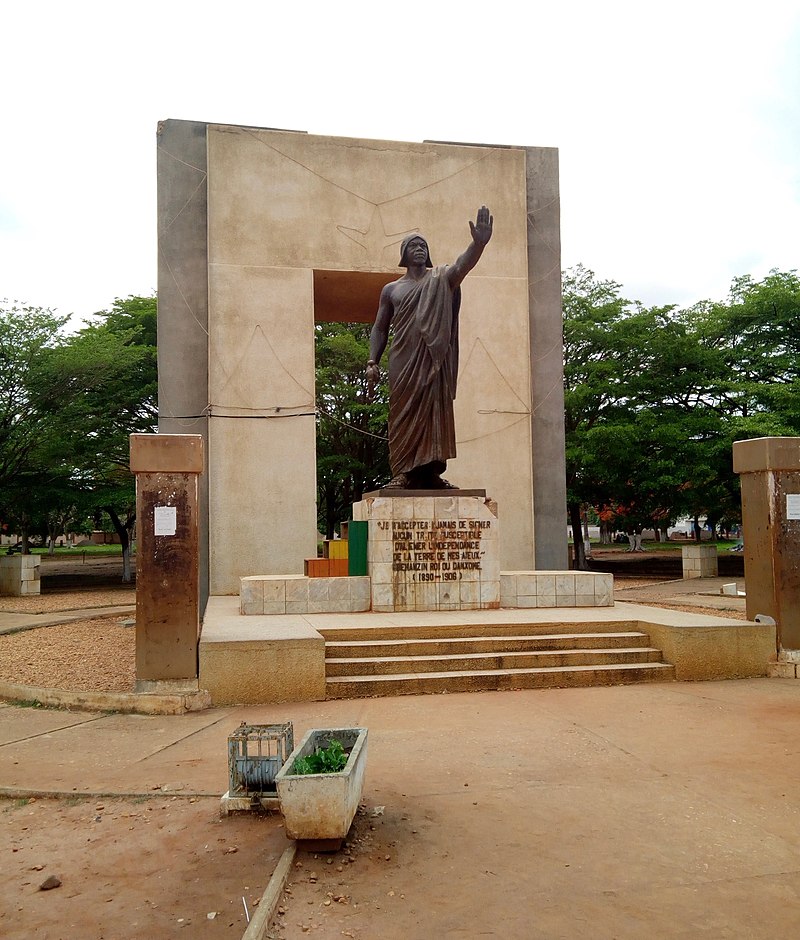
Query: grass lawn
x: 723, y: 545
x: 96, y: 550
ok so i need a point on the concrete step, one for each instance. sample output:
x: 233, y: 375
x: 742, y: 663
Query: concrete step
x: 501, y: 679
x: 352, y: 631
x: 336, y: 649
x: 481, y: 662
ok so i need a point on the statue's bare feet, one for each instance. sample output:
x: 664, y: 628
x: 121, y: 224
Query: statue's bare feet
x: 398, y: 482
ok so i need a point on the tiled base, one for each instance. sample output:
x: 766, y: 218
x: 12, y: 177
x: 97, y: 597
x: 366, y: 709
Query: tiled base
x: 699, y: 561
x: 556, y: 589
x: 787, y: 666
x: 297, y: 594
x: 428, y: 553
x: 19, y: 575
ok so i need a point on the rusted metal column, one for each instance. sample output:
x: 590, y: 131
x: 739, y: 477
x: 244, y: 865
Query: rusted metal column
x: 770, y: 479
x: 167, y: 468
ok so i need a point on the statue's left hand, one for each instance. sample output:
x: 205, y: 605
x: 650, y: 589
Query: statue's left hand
x: 481, y: 229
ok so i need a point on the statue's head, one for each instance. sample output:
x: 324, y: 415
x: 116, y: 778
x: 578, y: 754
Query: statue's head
x: 410, y: 244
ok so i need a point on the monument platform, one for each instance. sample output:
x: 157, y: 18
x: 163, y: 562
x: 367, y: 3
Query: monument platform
x: 399, y: 492
x: 280, y: 658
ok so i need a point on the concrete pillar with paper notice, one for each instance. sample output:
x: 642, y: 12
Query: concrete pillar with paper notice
x: 167, y: 469
x: 769, y: 469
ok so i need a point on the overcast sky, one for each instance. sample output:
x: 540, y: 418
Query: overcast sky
x: 678, y: 124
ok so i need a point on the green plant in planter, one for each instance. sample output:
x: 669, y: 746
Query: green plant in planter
x: 325, y: 760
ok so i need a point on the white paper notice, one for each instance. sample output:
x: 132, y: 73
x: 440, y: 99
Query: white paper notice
x: 166, y: 520
x: 793, y: 505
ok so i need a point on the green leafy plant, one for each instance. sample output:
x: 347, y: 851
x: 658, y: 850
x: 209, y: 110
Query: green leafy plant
x: 324, y: 760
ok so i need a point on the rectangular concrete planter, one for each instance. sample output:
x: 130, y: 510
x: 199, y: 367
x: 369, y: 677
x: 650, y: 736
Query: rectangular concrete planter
x: 321, y: 807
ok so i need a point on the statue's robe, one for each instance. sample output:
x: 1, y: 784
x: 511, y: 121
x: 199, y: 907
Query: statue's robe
x: 423, y: 369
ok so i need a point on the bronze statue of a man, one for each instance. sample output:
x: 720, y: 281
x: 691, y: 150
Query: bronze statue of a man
x: 422, y: 308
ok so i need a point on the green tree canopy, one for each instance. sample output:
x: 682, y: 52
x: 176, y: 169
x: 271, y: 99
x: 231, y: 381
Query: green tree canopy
x: 352, y: 445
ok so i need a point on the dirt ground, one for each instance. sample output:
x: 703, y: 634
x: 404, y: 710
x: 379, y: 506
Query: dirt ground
x: 158, y: 867
x: 367, y: 886
x: 139, y: 868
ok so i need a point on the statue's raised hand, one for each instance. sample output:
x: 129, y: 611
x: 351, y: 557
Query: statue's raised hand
x: 481, y: 229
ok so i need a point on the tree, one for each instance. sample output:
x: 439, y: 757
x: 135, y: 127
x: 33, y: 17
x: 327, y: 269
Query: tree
x: 28, y: 335
x: 352, y: 443
x: 107, y: 380
x: 68, y: 404
x: 635, y: 380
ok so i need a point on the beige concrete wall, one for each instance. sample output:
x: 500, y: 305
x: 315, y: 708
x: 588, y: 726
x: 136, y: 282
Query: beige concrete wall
x: 283, y: 204
x: 261, y: 427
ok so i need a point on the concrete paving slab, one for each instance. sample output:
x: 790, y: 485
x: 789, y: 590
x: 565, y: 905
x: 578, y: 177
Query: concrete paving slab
x: 14, y: 622
x: 667, y: 810
x: 23, y: 724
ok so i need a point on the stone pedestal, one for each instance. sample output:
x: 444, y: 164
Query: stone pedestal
x: 699, y: 561
x: 167, y: 468
x: 19, y: 575
x: 431, y: 552
x: 770, y: 480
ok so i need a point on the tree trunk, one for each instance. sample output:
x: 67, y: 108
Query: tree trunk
x: 122, y: 532
x: 635, y: 542
x: 579, y: 555
x: 587, y: 545
x: 696, y: 528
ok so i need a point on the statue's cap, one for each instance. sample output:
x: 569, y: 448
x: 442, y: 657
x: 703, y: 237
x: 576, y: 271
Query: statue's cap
x: 404, y: 246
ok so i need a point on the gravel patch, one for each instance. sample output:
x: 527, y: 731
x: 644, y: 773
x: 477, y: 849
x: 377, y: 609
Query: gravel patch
x: 67, y: 600
x: 92, y: 655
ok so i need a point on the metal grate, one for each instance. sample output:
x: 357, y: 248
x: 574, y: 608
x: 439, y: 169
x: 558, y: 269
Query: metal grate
x: 255, y: 755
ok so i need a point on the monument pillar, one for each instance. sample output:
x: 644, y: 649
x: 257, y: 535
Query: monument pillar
x: 547, y: 359
x: 167, y: 469
x: 769, y: 468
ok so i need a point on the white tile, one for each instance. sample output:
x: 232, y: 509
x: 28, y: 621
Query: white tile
x: 339, y: 593
x: 382, y: 596
x: 448, y: 595
x: 565, y: 585
x: 527, y: 583
x: 445, y: 508
x: 469, y: 594
x: 403, y: 508
x: 489, y: 592
x: 317, y: 591
x: 381, y: 574
x: 359, y: 593
x: 380, y: 552
x: 251, y: 595
x: 297, y: 590
x: 381, y: 508
x: 379, y: 530
x: 426, y: 596
x: 274, y: 591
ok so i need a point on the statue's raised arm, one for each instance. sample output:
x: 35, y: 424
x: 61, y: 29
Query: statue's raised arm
x: 481, y: 231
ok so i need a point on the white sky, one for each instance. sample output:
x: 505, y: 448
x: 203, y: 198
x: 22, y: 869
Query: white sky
x: 678, y: 124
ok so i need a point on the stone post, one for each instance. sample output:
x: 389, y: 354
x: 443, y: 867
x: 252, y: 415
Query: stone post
x: 770, y: 478
x: 20, y: 575
x: 699, y: 561
x: 167, y: 468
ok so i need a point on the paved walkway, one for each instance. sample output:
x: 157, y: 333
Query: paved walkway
x: 667, y: 810
x: 656, y: 810
x: 11, y: 622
